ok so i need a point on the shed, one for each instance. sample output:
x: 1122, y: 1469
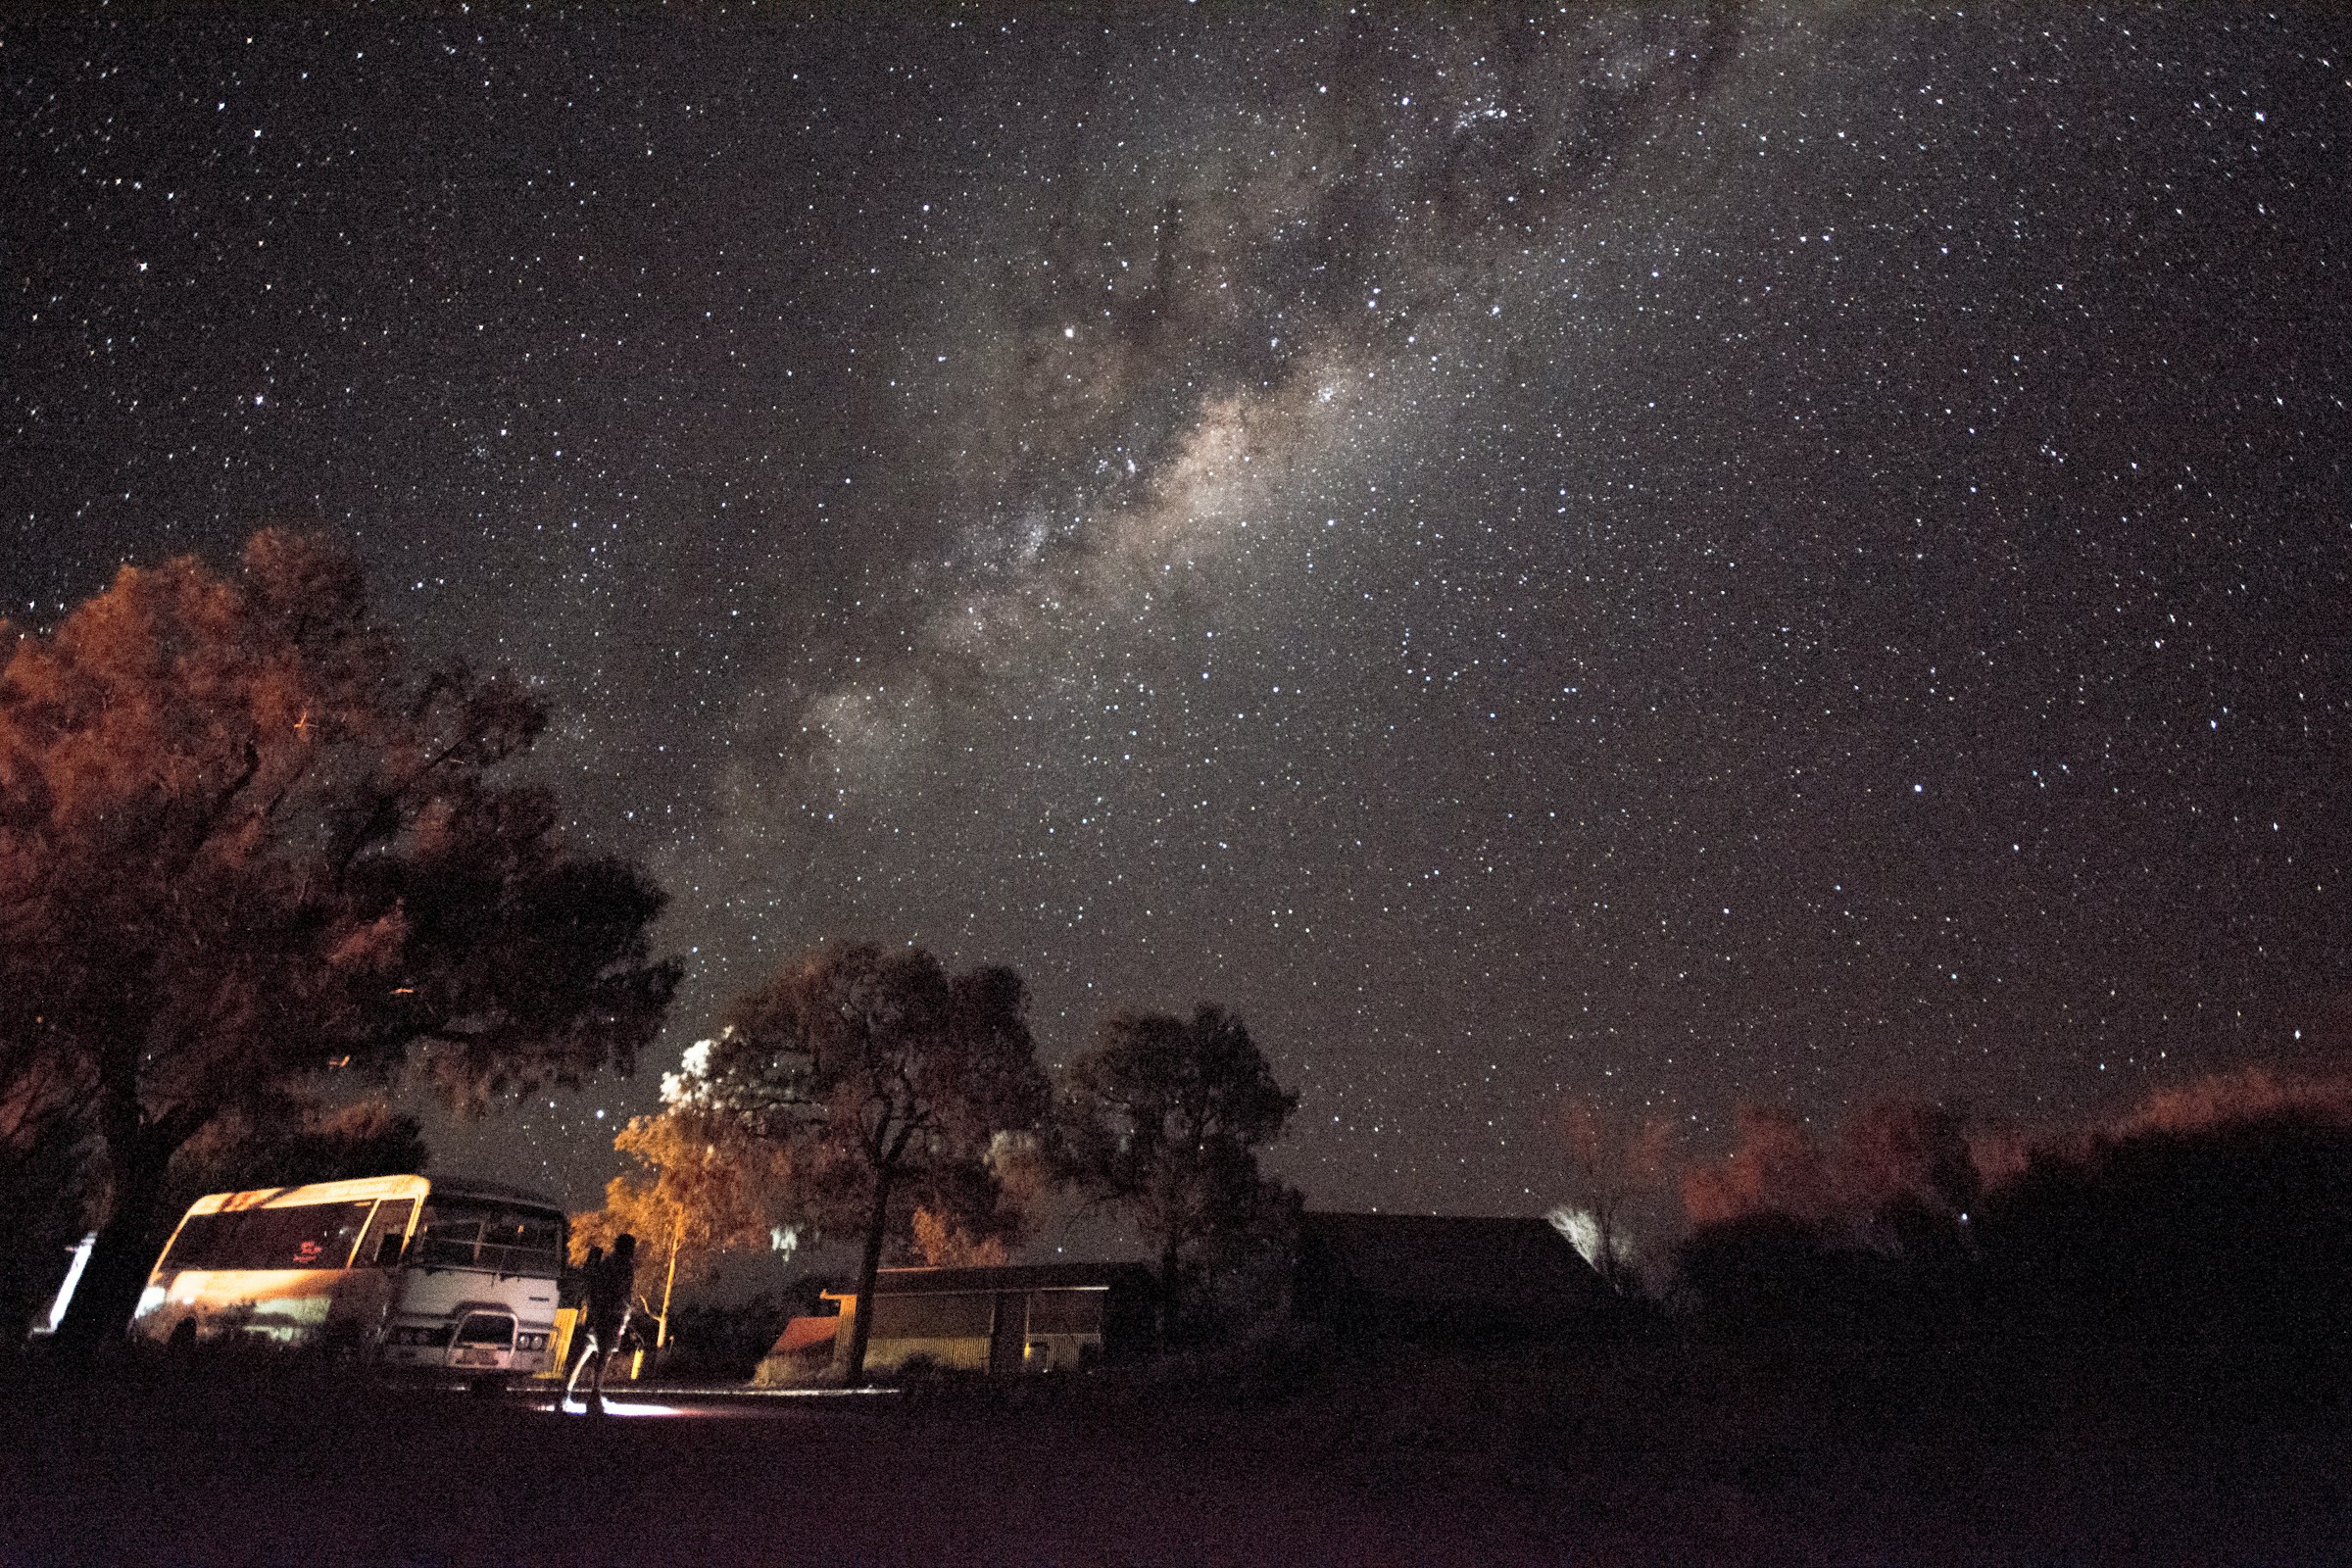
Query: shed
x: 1002, y: 1321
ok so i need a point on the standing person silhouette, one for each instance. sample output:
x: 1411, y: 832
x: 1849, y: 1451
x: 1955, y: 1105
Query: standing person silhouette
x: 610, y: 1280
x: 576, y: 1287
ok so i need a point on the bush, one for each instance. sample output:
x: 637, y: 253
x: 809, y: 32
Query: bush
x: 716, y: 1344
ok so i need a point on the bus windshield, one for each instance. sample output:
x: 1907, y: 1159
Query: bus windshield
x: 481, y: 1233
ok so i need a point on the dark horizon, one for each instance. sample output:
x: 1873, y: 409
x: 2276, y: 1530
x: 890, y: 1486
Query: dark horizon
x: 1760, y: 554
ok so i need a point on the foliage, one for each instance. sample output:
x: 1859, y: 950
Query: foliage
x: 716, y: 1343
x: 1614, y: 1168
x: 2205, y: 1235
x: 941, y: 1243
x: 1163, y: 1119
x: 888, y: 1081
x: 1890, y: 1157
x: 244, y: 842
x: 700, y: 1191
x: 803, y: 1295
x: 2236, y: 1230
x: 295, y: 1143
x: 1774, y: 1165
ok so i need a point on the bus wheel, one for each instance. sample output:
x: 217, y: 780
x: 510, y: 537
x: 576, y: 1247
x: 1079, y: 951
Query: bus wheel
x: 183, y: 1341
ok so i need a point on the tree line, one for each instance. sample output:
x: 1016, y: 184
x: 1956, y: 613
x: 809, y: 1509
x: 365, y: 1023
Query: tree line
x: 2201, y: 1240
x: 261, y: 868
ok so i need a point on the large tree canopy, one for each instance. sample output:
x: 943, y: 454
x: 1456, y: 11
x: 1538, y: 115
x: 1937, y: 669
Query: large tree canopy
x: 1162, y: 1118
x: 890, y: 1080
x: 245, y: 843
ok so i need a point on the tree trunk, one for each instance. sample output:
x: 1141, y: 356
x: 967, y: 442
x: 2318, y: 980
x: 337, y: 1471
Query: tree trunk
x: 862, y: 1326
x: 1167, y: 1291
x: 677, y: 1233
x: 140, y: 1157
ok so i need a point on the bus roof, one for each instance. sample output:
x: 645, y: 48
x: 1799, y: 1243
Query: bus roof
x: 363, y: 1187
x: 478, y: 1187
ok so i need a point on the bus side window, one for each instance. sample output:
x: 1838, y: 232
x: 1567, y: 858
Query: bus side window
x: 379, y: 1248
x: 204, y: 1241
x: 295, y: 1235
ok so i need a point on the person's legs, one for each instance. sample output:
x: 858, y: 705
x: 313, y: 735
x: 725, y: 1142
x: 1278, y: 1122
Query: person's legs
x: 579, y: 1366
x: 596, y: 1380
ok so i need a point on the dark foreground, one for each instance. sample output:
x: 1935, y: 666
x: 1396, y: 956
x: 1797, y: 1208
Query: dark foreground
x: 142, y: 1472
x: 1420, y: 1462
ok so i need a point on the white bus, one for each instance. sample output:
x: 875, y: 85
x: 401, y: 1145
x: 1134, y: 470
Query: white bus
x: 403, y: 1271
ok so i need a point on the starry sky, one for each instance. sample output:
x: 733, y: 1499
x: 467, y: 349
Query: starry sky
x: 1674, y: 554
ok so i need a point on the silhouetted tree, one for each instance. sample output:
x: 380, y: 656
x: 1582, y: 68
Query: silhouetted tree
x: 2233, y: 1235
x: 293, y: 1142
x: 1906, y: 1157
x: 888, y: 1081
x: 2205, y: 1235
x: 1866, y: 1235
x: 1773, y: 1166
x: 1163, y: 1119
x: 1893, y: 1159
x: 1764, y: 1270
x: 243, y: 842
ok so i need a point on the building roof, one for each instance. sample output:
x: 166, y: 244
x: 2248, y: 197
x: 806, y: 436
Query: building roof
x: 1005, y: 1277
x: 804, y: 1334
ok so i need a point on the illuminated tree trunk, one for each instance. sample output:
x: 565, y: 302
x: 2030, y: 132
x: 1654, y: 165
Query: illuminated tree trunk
x: 677, y: 1234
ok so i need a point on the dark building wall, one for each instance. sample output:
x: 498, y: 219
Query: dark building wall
x: 1458, y: 1278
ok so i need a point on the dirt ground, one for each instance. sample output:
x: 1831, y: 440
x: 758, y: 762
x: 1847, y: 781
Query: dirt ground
x: 139, y: 1472
x: 136, y: 1467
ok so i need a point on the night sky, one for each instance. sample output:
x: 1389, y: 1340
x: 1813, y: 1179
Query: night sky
x: 1676, y: 554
